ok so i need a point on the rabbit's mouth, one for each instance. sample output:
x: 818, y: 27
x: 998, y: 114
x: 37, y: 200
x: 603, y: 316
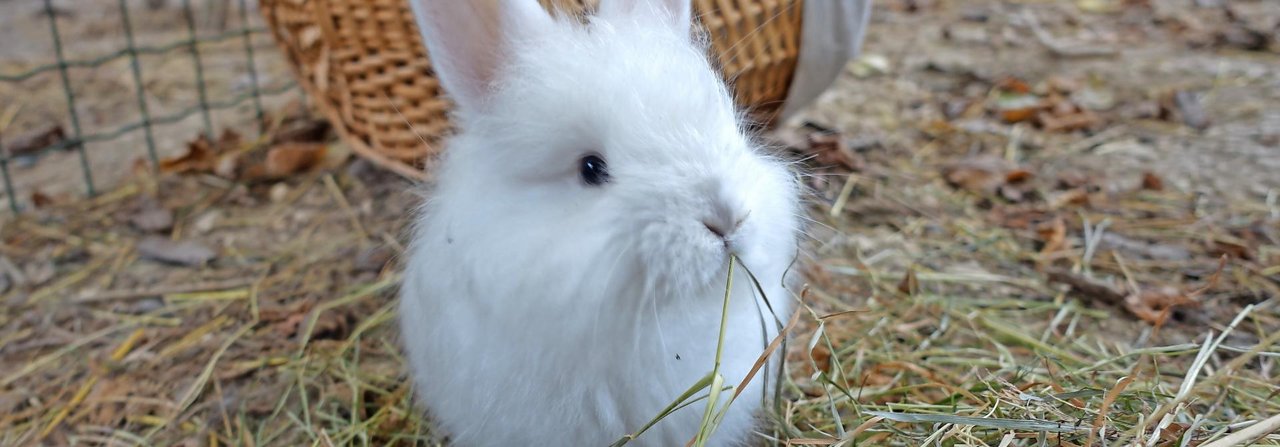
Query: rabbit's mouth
x: 683, y: 258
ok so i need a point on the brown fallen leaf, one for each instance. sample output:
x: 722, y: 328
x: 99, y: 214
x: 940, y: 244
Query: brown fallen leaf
x: 1172, y: 435
x: 1018, y: 115
x: 1152, y: 182
x: 1019, y: 217
x: 41, y: 200
x: 284, y: 160
x: 1060, y: 113
x: 831, y: 149
x: 909, y: 285
x: 1072, y: 179
x: 1013, y: 85
x: 1231, y: 248
x: 34, y: 141
x: 983, y: 174
x: 333, y: 324
x: 1072, y: 197
x: 1153, y: 306
x: 989, y: 175
x: 1018, y: 175
x: 1054, y: 235
x: 1015, y: 102
x: 289, y: 326
x: 821, y: 356
x: 286, y: 320
x: 187, y: 253
x: 204, y: 155
x: 1067, y: 122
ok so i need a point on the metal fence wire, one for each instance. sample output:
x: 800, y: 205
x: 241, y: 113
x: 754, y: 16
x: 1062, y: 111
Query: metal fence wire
x: 77, y: 138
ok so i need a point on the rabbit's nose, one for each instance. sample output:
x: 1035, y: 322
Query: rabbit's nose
x: 724, y: 224
x: 725, y: 211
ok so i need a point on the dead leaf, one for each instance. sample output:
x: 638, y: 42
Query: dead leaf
x: 187, y: 253
x: 1231, y: 248
x: 909, y: 285
x: 831, y: 149
x: 204, y: 155
x: 1018, y: 115
x: 1013, y: 85
x: 937, y: 129
x: 1017, y: 175
x: 1018, y: 217
x: 1152, y: 182
x: 821, y: 357
x: 1067, y: 122
x: 287, y: 319
x: 983, y: 174
x: 1172, y: 435
x: 1054, y: 235
x: 289, y: 326
x: 333, y: 324
x: 1072, y: 179
x: 35, y: 141
x: 1073, y: 197
x: 284, y: 160
x: 1153, y: 306
x: 989, y: 175
x: 42, y: 200
x: 291, y: 158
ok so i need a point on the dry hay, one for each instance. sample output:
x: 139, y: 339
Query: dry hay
x: 974, y: 279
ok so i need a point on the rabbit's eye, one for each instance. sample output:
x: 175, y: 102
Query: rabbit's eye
x: 593, y: 170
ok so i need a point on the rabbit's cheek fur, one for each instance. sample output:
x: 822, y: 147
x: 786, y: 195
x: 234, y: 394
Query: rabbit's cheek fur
x: 680, y: 258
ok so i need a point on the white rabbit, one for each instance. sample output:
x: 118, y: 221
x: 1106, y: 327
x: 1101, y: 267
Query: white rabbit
x: 566, y: 277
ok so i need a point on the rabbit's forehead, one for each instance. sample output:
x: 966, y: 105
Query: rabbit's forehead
x: 620, y: 94
x: 611, y: 72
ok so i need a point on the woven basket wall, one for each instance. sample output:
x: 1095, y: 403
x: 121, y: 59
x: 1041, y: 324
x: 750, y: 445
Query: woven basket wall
x: 363, y: 63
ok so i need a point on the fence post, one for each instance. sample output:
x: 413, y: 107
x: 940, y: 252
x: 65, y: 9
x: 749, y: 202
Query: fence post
x: 137, y: 84
x: 253, y: 69
x: 8, y: 183
x: 195, y: 59
x: 78, y: 142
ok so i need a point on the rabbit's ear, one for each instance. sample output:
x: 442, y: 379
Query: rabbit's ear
x: 469, y: 41
x: 677, y: 13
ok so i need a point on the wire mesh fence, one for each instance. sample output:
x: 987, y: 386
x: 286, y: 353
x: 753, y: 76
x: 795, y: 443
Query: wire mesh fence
x: 185, y: 40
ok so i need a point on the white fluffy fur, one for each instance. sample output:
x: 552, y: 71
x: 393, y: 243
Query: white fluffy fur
x: 537, y: 310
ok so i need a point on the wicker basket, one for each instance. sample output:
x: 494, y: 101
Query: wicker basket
x: 363, y: 63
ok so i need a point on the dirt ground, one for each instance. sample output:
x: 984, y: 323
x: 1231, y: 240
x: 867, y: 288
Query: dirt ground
x: 1063, y: 212
x: 949, y: 50
x: 105, y: 95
